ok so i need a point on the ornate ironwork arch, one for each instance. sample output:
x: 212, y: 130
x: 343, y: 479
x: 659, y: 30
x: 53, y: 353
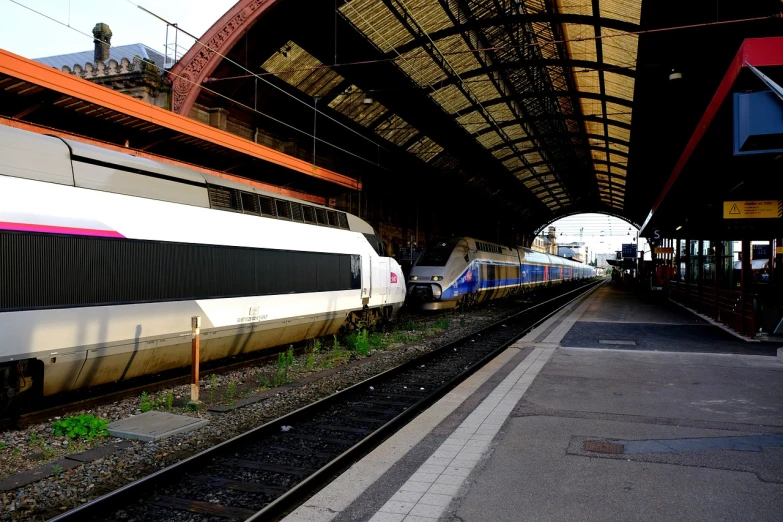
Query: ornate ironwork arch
x: 202, y: 59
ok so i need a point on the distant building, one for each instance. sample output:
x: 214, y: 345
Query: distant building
x: 133, y: 69
x: 600, y: 260
x: 546, y: 242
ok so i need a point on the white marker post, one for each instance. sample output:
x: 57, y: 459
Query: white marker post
x: 195, y: 323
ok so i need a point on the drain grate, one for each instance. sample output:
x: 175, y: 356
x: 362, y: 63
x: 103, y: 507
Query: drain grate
x: 616, y: 341
x: 598, y: 446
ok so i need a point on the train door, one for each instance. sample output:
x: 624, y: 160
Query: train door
x: 383, y: 280
x: 367, y: 268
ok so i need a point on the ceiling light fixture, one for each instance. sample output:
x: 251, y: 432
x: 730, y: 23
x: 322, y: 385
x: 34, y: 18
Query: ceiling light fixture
x: 678, y: 228
x: 367, y: 100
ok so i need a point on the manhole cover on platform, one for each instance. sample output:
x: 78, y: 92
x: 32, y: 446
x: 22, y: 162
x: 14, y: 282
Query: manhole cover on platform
x: 616, y: 341
x: 597, y: 446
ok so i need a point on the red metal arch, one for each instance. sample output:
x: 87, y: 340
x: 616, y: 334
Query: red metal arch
x: 202, y: 59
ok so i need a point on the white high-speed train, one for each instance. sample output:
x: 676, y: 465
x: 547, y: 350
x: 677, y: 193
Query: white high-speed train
x: 106, y: 256
x: 464, y: 270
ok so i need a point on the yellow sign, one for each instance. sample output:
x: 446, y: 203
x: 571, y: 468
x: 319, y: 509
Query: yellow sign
x: 664, y: 250
x: 779, y: 250
x: 753, y: 209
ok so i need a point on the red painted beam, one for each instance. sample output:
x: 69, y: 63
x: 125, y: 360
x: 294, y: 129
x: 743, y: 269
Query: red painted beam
x: 758, y: 52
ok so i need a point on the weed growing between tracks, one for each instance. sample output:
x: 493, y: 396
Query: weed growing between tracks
x: 85, y: 427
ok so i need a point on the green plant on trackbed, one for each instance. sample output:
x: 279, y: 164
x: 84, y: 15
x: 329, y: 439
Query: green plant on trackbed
x: 2, y: 445
x: 442, y: 323
x: 284, y: 362
x: 85, y: 427
x: 193, y: 406
x: 358, y: 342
x: 212, y: 386
x: 169, y: 400
x: 145, y: 404
x: 409, y: 325
x: 57, y: 469
x: 230, y: 391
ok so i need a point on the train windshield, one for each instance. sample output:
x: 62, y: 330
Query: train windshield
x: 438, y: 253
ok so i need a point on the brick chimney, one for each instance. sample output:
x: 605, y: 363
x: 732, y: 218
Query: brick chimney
x: 102, y: 42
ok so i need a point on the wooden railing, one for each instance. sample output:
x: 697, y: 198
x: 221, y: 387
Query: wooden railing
x: 723, y: 305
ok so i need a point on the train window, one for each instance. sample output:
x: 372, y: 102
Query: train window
x: 486, y: 247
x: 308, y: 214
x: 267, y: 206
x: 320, y: 215
x: 438, y: 254
x: 332, y: 216
x: 48, y: 271
x: 296, y: 211
x: 343, y: 220
x: 283, y: 209
x: 223, y: 198
x: 250, y: 203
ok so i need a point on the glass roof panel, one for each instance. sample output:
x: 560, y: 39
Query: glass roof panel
x: 581, y: 45
x: 450, y: 99
x: 490, y: 139
x: 425, y: 149
x: 619, y: 47
x: 617, y: 112
x: 396, y: 130
x: 473, y: 122
x: 300, y: 69
x: 619, y: 147
x: 351, y: 104
x: 618, y: 85
x: 625, y: 10
x: 502, y: 153
x: 620, y: 133
x: 383, y: 29
x: 421, y: 68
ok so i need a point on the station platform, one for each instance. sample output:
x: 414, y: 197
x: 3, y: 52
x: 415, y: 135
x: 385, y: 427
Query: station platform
x: 613, y: 409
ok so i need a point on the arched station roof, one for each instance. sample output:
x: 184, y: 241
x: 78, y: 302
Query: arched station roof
x: 531, y: 104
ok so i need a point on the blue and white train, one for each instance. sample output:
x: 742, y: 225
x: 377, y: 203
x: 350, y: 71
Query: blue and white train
x: 464, y: 270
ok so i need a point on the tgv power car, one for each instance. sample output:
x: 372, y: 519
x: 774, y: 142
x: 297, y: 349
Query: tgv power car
x: 106, y: 256
x: 464, y: 270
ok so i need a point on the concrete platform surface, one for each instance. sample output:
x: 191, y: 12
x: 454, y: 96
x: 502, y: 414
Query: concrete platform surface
x: 625, y: 396
x: 154, y: 425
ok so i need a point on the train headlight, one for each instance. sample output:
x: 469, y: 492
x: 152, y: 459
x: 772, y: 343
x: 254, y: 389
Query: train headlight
x: 414, y: 278
x: 436, y: 291
x: 437, y: 278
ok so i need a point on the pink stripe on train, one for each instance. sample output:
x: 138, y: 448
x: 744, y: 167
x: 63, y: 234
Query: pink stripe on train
x: 51, y: 229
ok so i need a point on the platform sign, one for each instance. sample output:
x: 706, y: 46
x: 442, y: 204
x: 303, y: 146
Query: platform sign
x: 629, y: 250
x: 664, y: 250
x: 758, y: 209
x: 760, y: 251
x: 779, y: 250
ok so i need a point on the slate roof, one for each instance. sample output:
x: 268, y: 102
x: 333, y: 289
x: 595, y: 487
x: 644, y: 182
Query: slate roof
x: 117, y: 52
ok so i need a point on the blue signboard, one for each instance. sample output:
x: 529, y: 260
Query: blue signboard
x: 760, y: 251
x: 629, y: 250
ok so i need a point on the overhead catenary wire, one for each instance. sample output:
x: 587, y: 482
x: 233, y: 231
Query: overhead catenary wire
x: 236, y: 102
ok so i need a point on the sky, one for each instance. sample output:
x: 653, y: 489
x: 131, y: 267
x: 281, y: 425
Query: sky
x: 33, y: 36
x: 601, y: 233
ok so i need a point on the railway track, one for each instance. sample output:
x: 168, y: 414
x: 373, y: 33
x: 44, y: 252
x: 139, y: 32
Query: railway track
x: 269, y: 470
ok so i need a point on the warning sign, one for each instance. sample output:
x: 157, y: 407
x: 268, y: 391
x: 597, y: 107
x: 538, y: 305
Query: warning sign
x: 753, y: 209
